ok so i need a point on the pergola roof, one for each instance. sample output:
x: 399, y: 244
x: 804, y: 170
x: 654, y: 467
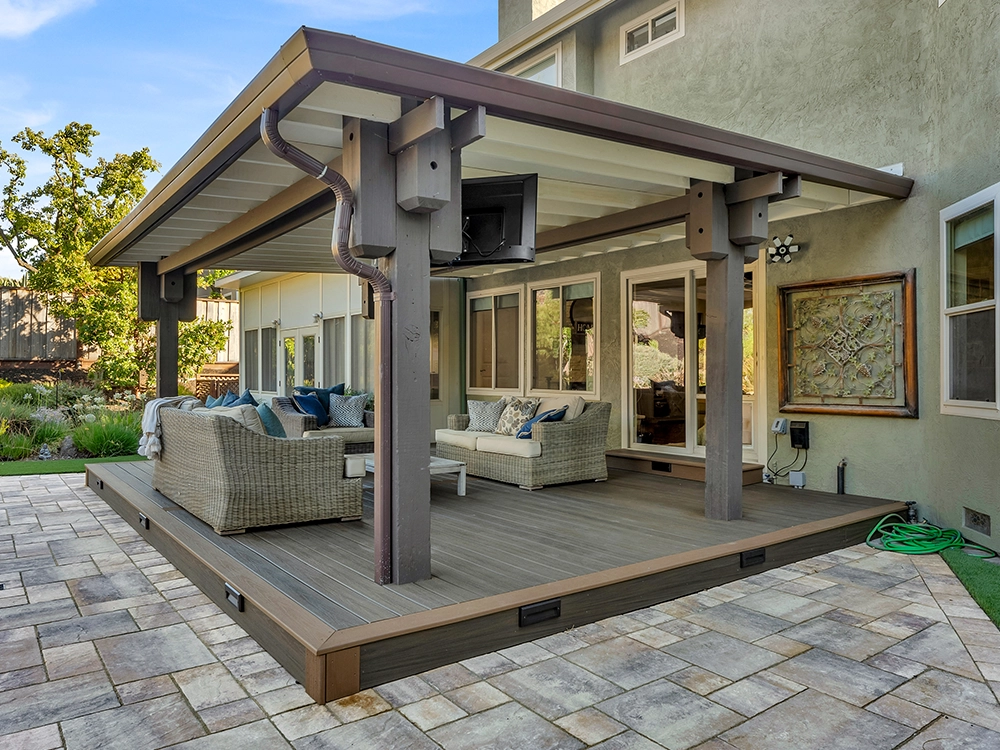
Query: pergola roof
x: 228, y: 203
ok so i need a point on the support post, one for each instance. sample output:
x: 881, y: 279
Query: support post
x: 408, y: 269
x: 167, y: 371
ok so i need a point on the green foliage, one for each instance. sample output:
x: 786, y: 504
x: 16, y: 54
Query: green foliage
x: 111, y: 434
x: 51, y: 433
x: 49, y: 230
x: 15, y: 446
x: 15, y: 418
x: 207, y: 279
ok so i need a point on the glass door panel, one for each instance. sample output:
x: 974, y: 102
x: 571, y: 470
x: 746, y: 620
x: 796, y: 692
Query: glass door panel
x: 308, y: 359
x: 289, y: 355
x: 659, y: 329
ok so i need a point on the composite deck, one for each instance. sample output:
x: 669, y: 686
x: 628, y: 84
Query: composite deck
x: 587, y: 551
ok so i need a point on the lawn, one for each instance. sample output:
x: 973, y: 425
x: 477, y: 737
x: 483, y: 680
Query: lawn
x: 57, y: 466
x: 981, y: 578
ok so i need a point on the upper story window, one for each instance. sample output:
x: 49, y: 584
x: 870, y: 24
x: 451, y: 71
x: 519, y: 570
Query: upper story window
x: 544, y: 68
x: 970, y: 348
x: 658, y: 27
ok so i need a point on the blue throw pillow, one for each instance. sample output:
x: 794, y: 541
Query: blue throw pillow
x: 323, y: 394
x: 309, y: 403
x: 211, y: 401
x: 553, y: 415
x: 246, y: 399
x: 348, y: 411
x: 272, y: 425
x: 228, y: 400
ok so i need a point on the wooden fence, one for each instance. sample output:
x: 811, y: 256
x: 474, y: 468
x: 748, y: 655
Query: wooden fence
x: 29, y: 331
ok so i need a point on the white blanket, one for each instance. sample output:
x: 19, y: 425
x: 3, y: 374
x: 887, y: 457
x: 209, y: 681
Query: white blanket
x: 149, y: 443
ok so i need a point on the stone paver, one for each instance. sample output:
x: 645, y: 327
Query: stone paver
x: 103, y: 643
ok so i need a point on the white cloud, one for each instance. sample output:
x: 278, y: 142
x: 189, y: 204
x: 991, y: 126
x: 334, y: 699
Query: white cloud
x: 21, y: 17
x: 15, y: 112
x: 360, y: 10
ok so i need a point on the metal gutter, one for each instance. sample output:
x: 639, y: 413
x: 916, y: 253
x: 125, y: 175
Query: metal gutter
x: 311, y: 57
x: 547, y: 26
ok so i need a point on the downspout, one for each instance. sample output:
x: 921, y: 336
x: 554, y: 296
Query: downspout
x: 384, y: 296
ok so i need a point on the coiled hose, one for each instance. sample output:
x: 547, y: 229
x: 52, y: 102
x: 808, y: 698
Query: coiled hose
x: 919, y: 538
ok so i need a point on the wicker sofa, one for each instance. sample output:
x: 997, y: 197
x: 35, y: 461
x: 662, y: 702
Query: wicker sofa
x: 297, y: 424
x: 233, y: 478
x: 566, y: 451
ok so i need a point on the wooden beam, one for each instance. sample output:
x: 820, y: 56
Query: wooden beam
x: 761, y: 186
x: 167, y: 370
x: 419, y: 123
x: 634, y: 220
x: 468, y: 128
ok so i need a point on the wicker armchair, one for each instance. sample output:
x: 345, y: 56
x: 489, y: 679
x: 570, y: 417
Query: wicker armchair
x: 570, y: 452
x: 234, y: 479
x: 297, y: 424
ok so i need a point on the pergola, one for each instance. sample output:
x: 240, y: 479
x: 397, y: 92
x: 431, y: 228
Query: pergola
x: 404, y: 129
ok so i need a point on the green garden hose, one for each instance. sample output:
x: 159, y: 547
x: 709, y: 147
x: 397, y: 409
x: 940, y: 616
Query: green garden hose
x: 919, y: 539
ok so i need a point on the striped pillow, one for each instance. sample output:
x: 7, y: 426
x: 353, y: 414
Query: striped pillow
x: 484, y: 415
x: 347, y: 411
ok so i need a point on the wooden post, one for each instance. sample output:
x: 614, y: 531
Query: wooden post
x: 408, y: 269
x: 708, y: 239
x: 166, y: 350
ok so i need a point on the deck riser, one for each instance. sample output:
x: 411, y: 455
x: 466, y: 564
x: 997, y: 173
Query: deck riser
x: 678, y: 468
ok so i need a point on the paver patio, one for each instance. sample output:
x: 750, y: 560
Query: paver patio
x: 104, y: 644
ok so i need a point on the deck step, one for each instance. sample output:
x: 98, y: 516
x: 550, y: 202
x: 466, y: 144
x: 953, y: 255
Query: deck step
x: 687, y: 467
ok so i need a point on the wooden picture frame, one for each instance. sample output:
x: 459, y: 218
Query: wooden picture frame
x: 849, y: 346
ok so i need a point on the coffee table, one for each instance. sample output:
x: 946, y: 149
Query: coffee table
x: 438, y: 466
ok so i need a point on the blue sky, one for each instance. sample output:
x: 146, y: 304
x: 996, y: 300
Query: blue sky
x: 157, y: 74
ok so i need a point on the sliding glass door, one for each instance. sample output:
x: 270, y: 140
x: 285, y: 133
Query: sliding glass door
x: 666, y: 336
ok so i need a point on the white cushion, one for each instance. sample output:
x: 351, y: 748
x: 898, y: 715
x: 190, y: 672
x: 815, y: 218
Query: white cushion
x: 574, y: 406
x: 459, y: 438
x: 509, y: 445
x: 354, y: 465
x: 246, y: 415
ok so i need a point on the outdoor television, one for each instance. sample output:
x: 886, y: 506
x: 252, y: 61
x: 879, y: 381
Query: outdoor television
x: 498, y: 220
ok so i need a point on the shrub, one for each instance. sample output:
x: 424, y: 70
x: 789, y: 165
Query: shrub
x: 111, y: 434
x: 49, y: 432
x: 15, y: 447
x: 17, y: 415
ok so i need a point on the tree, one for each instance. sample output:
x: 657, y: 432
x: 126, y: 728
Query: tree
x: 49, y: 229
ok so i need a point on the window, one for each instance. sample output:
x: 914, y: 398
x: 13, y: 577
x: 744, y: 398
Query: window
x: 544, y: 68
x: 564, y: 337
x: 362, y: 354
x: 659, y: 27
x: 495, y: 341
x: 251, y: 359
x: 969, y: 340
x: 435, y: 355
x: 269, y: 359
x: 334, y: 350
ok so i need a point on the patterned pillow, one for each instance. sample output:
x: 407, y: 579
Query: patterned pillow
x: 347, y: 411
x: 515, y: 414
x: 484, y: 415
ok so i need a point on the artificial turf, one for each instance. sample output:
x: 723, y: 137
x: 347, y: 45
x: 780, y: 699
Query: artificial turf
x: 57, y: 466
x: 981, y: 578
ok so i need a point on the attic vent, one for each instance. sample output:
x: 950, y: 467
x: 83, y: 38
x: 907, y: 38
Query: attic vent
x: 976, y: 521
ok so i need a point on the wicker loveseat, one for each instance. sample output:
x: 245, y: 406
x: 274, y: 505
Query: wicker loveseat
x: 233, y: 478
x: 566, y: 451
x: 297, y: 424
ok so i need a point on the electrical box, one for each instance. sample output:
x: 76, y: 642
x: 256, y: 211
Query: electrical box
x: 797, y: 479
x: 779, y: 426
x: 798, y: 434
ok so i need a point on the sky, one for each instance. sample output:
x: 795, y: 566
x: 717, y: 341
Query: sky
x: 157, y: 74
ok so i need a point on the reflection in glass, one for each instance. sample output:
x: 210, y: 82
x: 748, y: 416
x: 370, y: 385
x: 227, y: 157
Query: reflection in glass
x: 973, y: 356
x: 508, y: 338
x: 269, y: 359
x: 334, y: 350
x: 970, y: 267
x: 309, y: 360
x: 289, y: 350
x: 435, y: 355
x: 481, y: 342
x: 251, y: 355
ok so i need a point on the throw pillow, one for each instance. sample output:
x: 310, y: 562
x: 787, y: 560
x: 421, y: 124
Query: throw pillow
x: 484, y: 415
x: 553, y: 415
x: 246, y: 415
x: 308, y: 403
x: 246, y: 399
x: 515, y: 414
x: 272, y: 425
x: 211, y: 401
x: 228, y: 399
x: 347, y: 411
x: 323, y: 394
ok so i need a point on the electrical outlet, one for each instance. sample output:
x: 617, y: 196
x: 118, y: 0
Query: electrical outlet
x: 767, y: 477
x: 779, y: 426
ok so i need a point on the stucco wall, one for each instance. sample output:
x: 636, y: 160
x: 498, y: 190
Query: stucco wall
x: 873, y: 83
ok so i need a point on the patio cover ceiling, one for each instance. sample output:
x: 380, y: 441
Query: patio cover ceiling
x: 228, y: 203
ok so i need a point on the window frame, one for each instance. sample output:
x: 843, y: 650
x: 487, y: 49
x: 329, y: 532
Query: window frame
x: 959, y: 407
x: 529, y: 334
x: 554, y: 51
x: 493, y: 293
x: 647, y: 18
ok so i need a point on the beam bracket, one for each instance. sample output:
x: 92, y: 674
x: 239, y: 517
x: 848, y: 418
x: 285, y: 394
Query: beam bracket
x: 419, y: 123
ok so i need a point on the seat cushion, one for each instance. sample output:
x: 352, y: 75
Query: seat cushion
x: 460, y: 438
x: 509, y: 445
x: 246, y: 415
x: 354, y: 465
x: 349, y: 434
x: 574, y: 406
